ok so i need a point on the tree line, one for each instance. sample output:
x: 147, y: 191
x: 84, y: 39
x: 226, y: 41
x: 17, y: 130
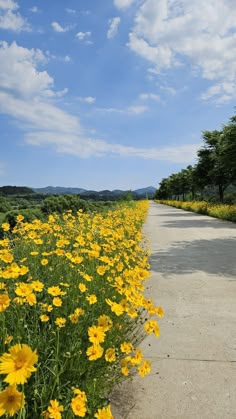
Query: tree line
x: 215, y: 168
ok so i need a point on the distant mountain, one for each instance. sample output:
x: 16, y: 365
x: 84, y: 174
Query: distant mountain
x: 16, y: 190
x: 60, y: 190
x: 150, y: 190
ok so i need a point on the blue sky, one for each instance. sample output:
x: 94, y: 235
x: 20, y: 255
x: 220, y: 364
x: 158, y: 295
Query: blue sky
x: 111, y: 94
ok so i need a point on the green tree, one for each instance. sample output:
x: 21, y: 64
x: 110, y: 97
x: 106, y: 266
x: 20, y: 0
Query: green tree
x: 229, y: 148
x: 211, y: 165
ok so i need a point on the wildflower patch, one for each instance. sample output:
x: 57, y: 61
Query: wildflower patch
x: 72, y: 312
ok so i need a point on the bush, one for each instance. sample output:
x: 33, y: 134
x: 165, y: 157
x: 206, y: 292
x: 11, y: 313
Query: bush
x: 63, y: 203
x: 28, y: 214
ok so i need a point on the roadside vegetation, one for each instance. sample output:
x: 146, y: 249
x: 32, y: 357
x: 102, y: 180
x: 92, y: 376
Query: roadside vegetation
x: 224, y: 212
x: 72, y: 310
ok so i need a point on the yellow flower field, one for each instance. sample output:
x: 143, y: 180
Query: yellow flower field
x: 72, y: 312
x: 222, y: 211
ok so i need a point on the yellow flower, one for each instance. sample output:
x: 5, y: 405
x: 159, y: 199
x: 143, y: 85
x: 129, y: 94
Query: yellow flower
x: 144, y: 369
x: 79, y: 311
x: 92, y: 299
x: 55, y: 410
x: 8, y: 339
x: 18, y: 363
x: 87, y: 277
x: 7, y: 258
x: 78, y: 407
x: 80, y: 394
x: 31, y: 299
x: 74, y: 318
x: 117, y: 309
x: 57, y: 301
x: 101, y: 270
x: 64, y: 284
x: 44, y: 262
x: 55, y: 291
x: 82, y: 287
x: 159, y: 311
x: 105, y: 322
x: 4, y: 302
x: 60, y: 321
x: 125, y: 371
x: 138, y: 356
x: 110, y: 355
x: 104, y: 413
x: 11, y: 401
x: 94, y: 352
x: 126, y: 347
x: 151, y: 326
x: 96, y: 334
x: 23, y: 289
x: 6, y: 227
x: 20, y: 218
x: 44, y: 318
x: 37, y: 286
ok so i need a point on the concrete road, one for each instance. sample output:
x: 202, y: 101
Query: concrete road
x: 193, y: 374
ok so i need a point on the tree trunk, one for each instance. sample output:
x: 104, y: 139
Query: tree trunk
x: 221, y: 193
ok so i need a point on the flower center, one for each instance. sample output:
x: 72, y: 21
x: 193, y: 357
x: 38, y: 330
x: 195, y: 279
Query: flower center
x: 19, y: 363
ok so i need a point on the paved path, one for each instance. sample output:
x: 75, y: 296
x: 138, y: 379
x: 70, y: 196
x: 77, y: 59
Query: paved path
x: 193, y: 375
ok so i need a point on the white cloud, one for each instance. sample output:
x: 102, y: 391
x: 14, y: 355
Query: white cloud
x: 8, y: 5
x: 70, y: 11
x: 131, y: 110
x: 136, y: 110
x: 10, y: 19
x: 170, y: 33
x: 84, y: 36
x: 150, y: 96
x: 88, y: 99
x: 18, y: 71
x: 123, y: 4
x: 58, y: 28
x: 27, y: 95
x: 113, y: 28
x: 67, y: 59
x: 34, y: 9
x: 170, y: 90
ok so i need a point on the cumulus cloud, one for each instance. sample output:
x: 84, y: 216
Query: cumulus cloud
x: 10, y: 18
x: 113, y: 28
x: 28, y: 96
x: 58, y: 28
x: 178, y: 32
x: 87, y: 99
x: 84, y: 36
x: 123, y: 4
